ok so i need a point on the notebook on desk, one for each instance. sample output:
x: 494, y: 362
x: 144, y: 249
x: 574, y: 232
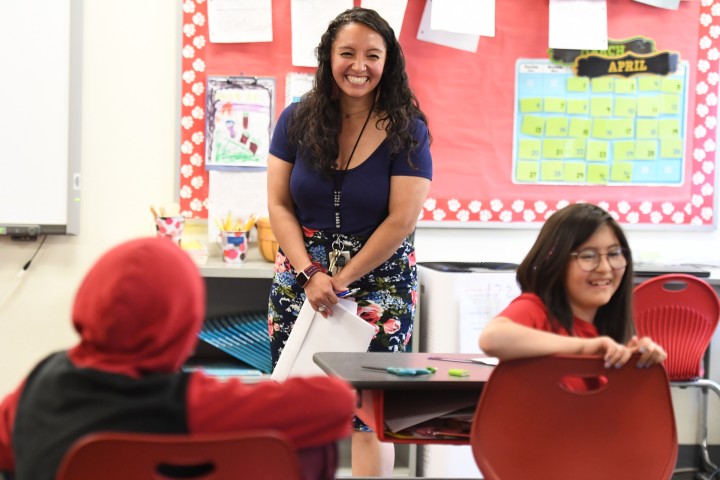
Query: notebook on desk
x: 641, y: 269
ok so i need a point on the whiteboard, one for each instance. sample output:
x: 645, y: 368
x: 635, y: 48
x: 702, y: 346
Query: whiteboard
x: 36, y: 181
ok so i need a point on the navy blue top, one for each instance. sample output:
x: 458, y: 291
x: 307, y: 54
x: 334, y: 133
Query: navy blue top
x: 365, y: 189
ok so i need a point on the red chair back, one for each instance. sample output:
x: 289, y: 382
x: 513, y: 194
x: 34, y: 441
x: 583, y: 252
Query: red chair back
x: 679, y: 312
x: 123, y: 456
x: 532, y: 421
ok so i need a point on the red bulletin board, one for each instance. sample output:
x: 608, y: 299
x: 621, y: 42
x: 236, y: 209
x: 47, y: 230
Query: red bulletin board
x: 469, y: 99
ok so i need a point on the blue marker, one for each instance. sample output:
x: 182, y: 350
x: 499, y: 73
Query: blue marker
x: 347, y: 293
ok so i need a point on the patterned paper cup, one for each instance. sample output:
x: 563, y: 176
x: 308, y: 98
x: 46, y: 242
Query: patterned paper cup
x: 170, y: 227
x: 234, y: 246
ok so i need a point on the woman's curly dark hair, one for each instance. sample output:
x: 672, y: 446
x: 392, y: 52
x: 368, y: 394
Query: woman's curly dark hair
x: 316, y: 122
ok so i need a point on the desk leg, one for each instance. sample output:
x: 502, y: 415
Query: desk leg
x: 369, y: 410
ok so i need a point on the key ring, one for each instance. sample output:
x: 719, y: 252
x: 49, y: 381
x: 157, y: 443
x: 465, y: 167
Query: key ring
x: 337, y: 244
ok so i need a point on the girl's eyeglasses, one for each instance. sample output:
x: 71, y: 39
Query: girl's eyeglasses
x: 589, y: 259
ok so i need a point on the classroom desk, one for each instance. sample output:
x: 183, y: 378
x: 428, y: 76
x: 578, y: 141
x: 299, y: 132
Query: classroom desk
x: 385, y: 399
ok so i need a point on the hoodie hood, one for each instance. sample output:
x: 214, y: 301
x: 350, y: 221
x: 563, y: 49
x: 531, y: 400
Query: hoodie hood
x: 139, y: 309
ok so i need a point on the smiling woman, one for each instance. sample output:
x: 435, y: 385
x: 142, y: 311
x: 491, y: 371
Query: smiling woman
x: 348, y: 172
x: 358, y: 59
x: 577, y: 289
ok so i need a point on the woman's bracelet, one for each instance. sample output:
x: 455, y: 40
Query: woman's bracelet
x: 304, y: 276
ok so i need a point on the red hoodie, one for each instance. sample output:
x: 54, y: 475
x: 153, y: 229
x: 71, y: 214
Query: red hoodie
x: 138, y: 312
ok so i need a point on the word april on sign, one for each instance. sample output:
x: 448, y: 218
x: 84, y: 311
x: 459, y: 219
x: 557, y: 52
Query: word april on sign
x: 618, y: 66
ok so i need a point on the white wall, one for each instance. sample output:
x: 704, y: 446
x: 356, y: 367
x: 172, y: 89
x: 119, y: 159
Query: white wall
x: 511, y: 245
x: 128, y: 144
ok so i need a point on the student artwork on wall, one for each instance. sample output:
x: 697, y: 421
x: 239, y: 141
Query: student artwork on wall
x: 520, y: 131
x: 239, y: 118
x: 297, y: 85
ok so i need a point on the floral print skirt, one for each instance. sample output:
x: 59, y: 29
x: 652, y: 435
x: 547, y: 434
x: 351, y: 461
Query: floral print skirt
x: 387, y: 296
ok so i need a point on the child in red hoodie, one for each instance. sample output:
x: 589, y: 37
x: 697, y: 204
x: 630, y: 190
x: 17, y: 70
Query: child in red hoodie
x: 138, y: 313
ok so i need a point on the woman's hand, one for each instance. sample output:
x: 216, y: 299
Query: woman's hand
x: 320, y: 293
x: 650, y: 352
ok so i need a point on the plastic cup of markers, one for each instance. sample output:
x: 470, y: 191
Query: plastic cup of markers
x: 234, y: 246
x: 170, y: 227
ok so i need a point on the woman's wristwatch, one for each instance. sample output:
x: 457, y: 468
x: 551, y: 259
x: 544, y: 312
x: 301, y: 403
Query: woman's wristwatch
x: 304, y: 275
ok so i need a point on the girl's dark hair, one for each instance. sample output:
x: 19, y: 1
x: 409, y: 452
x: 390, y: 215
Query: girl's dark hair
x: 316, y: 124
x: 543, y: 270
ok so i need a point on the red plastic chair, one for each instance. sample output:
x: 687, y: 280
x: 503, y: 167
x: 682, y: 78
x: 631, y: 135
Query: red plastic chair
x: 123, y: 456
x: 681, y: 312
x: 533, y: 421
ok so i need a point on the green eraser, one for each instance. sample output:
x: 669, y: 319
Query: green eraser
x: 458, y: 372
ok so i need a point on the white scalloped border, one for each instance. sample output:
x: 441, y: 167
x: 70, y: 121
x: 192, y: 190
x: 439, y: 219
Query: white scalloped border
x: 698, y: 210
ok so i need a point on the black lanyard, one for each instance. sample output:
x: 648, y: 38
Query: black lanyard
x: 340, y: 176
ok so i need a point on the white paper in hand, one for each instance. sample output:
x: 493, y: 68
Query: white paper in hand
x: 343, y: 331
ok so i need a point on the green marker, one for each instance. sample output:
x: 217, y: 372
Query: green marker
x: 458, y: 372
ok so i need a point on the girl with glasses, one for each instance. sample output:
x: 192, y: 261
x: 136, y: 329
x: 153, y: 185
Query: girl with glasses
x: 577, y: 283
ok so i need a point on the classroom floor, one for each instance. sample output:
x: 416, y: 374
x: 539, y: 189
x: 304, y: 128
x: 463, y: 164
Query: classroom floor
x: 694, y: 476
x: 402, y: 468
x: 344, y: 473
x: 683, y: 476
x: 689, y: 476
x: 401, y: 471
